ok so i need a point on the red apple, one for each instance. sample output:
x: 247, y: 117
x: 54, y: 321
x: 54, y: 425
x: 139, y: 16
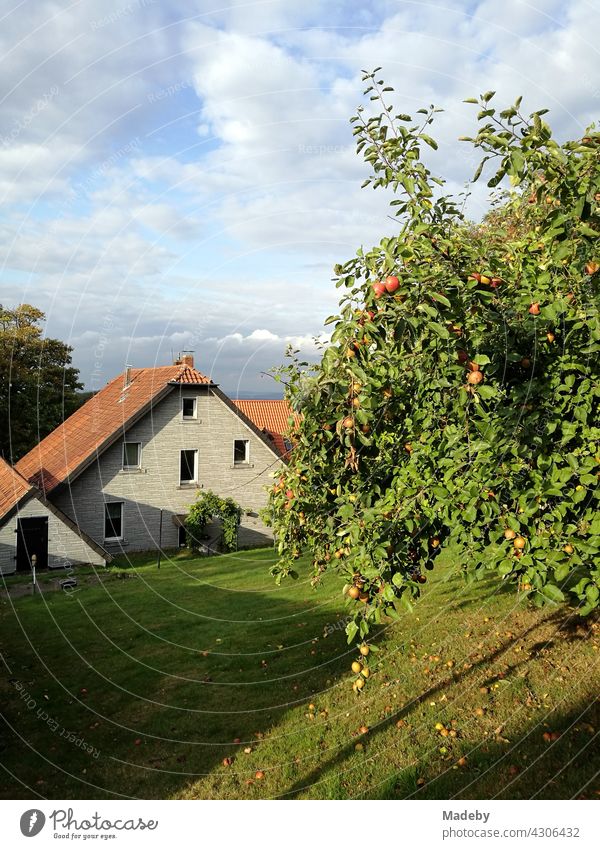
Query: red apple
x: 534, y: 309
x: 391, y: 284
x: 379, y: 289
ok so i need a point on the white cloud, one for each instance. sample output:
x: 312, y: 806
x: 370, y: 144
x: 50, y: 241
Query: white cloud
x: 184, y: 172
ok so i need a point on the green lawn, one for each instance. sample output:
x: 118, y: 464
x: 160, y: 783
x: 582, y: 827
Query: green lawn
x: 160, y: 672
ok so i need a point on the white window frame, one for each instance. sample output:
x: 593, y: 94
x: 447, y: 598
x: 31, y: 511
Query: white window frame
x: 195, y: 480
x: 124, y: 466
x: 194, y: 416
x: 122, y: 505
x: 246, y: 461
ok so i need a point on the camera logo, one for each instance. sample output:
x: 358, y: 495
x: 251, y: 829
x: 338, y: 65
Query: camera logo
x: 32, y: 822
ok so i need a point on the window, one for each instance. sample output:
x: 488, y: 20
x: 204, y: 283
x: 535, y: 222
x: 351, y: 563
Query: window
x: 241, y: 451
x: 132, y: 453
x: 188, y: 408
x: 188, y: 466
x: 113, y: 520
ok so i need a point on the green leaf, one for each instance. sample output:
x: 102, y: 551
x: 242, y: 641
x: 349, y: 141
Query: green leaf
x: 486, y: 391
x: 479, y: 169
x: 439, y: 329
x: 553, y: 594
x: 442, y: 299
x: 517, y: 161
x: 428, y: 140
x: 351, y: 631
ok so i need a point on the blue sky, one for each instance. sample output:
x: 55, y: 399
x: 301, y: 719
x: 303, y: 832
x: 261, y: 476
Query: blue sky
x: 182, y: 174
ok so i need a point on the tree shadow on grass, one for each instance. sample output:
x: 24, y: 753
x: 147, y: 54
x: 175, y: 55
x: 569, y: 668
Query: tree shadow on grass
x: 535, y: 763
x: 162, y: 686
x: 489, y: 756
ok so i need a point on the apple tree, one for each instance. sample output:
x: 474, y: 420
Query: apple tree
x: 454, y: 413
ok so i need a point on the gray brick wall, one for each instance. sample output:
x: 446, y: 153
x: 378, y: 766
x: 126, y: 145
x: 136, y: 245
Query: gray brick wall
x: 163, y: 434
x: 64, y: 546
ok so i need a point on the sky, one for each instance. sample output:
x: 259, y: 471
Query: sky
x: 181, y: 174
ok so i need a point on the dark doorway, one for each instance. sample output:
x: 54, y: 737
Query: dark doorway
x: 32, y: 538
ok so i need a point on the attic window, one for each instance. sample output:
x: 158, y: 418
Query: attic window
x: 132, y: 452
x: 241, y: 451
x: 189, y: 408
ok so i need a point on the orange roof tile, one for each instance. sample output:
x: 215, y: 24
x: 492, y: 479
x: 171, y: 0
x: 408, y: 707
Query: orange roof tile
x: 12, y: 487
x: 269, y: 415
x: 98, y: 422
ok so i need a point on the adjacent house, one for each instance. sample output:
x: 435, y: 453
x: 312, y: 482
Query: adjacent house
x: 124, y: 468
x: 32, y: 528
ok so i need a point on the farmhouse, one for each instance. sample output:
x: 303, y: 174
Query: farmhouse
x: 122, y: 471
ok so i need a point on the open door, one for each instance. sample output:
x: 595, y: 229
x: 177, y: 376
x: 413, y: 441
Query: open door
x: 32, y: 538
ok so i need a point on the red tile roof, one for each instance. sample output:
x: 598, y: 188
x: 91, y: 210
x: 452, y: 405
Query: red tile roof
x: 94, y: 425
x: 12, y: 487
x: 270, y: 415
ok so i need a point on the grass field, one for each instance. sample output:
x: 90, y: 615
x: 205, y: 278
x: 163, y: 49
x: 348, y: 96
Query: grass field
x: 140, y: 686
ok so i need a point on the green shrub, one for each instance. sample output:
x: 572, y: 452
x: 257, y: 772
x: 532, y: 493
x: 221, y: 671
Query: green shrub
x: 208, y: 506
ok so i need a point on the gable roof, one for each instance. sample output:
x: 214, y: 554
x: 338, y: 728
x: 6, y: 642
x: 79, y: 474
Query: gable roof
x: 13, y: 488
x: 270, y: 415
x: 98, y: 423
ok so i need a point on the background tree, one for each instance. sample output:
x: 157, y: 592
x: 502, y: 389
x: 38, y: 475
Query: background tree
x: 38, y: 384
x: 455, y: 413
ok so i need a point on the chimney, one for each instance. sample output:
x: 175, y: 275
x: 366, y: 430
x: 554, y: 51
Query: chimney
x: 185, y: 358
x: 127, y: 377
